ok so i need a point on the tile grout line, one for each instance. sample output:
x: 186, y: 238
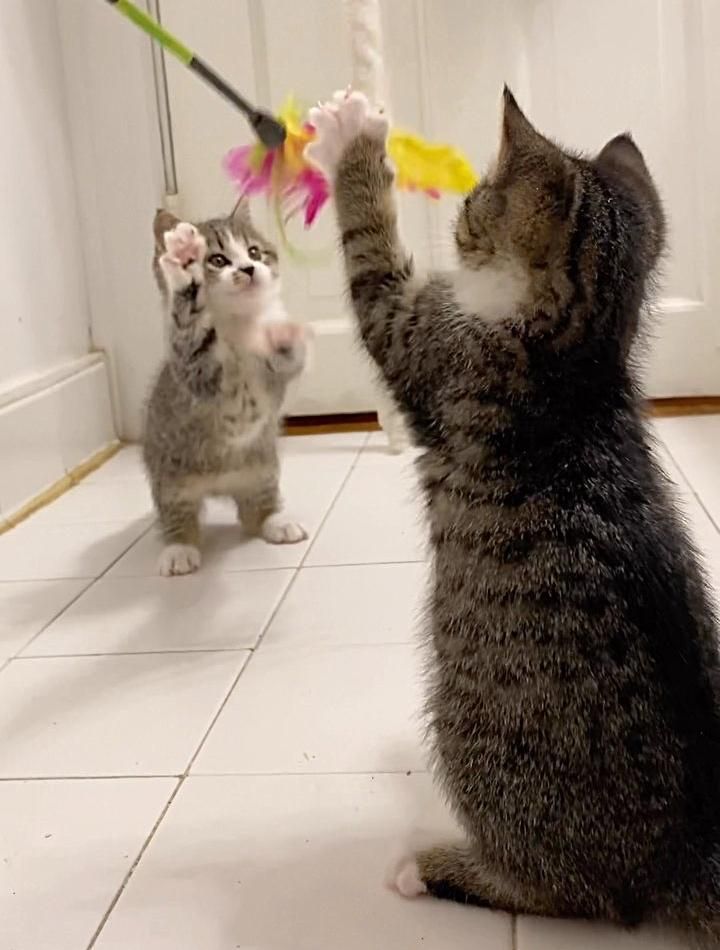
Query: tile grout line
x: 315, y: 567
x: 138, y: 858
x: 206, y: 775
x: 91, y: 582
x: 284, y: 648
x: 273, y: 614
x: 514, y: 932
x: 86, y: 778
x: 401, y: 771
x: 169, y: 652
x: 331, y: 506
x: 214, y: 719
x: 690, y: 485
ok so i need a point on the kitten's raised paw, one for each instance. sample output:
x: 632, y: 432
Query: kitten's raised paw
x: 177, y: 559
x: 185, y: 249
x: 405, y: 879
x: 340, y: 122
x: 185, y: 243
x: 277, y: 529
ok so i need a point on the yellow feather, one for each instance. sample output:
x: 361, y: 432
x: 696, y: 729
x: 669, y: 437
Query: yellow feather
x: 429, y: 167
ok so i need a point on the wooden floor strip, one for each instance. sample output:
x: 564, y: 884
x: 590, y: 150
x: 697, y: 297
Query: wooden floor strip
x: 59, y: 487
x: 367, y: 421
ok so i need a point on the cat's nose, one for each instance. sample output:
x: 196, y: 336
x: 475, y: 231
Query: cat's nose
x: 249, y: 270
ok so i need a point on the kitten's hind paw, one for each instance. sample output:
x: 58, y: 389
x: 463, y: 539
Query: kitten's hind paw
x: 177, y: 559
x: 277, y: 529
x: 340, y: 122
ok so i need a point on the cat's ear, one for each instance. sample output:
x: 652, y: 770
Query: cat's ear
x: 622, y: 153
x: 240, y: 215
x: 517, y: 131
x: 163, y: 221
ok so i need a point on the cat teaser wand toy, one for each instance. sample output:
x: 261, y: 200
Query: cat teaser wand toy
x: 276, y: 167
x: 268, y: 129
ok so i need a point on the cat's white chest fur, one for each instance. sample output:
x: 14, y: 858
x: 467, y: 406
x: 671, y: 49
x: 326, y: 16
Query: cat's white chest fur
x: 494, y: 292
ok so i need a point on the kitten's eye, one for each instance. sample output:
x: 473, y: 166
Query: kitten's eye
x: 254, y: 253
x: 219, y: 260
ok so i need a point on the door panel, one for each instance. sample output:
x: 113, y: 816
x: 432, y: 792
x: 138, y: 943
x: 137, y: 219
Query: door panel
x: 584, y: 71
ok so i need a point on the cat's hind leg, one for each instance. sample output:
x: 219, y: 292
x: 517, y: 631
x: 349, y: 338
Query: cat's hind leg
x: 261, y: 514
x: 456, y: 873
x: 180, y: 528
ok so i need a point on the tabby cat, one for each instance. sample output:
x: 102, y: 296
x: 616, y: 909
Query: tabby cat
x: 213, y: 414
x: 573, y: 699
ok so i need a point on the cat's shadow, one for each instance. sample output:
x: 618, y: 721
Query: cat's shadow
x: 154, y: 606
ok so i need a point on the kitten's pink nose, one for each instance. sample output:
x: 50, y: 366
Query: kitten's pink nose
x: 249, y: 270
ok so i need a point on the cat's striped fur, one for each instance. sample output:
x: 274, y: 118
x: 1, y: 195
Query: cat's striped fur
x: 572, y: 698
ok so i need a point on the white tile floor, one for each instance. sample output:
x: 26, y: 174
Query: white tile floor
x: 231, y: 760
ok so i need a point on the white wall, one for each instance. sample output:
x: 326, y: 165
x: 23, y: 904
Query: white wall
x: 44, y: 316
x: 118, y: 161
x: 54, y: 395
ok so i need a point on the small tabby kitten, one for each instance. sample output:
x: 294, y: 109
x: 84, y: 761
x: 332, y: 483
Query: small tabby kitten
x: 213, y: 414
x: 573, y: 700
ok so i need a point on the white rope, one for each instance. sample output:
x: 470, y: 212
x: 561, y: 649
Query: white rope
x: 368, y: 76
x: 368, y: 73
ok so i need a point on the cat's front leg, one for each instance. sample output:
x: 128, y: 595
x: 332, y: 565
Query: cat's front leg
x: 182, y: 269
x: 193, y: 339
x: 350, y: 149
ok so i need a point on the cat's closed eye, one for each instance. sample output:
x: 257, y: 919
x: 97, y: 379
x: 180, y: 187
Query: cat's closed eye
x: 219, y: 260
x: 254, y: 253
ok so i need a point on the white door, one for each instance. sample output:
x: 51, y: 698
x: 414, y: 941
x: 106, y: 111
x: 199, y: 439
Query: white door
x: 583, y: 70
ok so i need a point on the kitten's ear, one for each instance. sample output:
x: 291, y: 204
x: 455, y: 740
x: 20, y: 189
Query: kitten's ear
x: 518, y: 133
x: 240, y: 215
x: 622, y: 152
x: 163, y: 221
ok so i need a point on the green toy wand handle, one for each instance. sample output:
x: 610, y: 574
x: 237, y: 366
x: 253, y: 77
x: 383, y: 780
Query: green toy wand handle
x: 270, y: 132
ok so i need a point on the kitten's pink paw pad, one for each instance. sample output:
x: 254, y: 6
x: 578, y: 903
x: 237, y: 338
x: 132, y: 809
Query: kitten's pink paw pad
x: 338, y: 123
x: 185, y: 244
x: 406, y: 879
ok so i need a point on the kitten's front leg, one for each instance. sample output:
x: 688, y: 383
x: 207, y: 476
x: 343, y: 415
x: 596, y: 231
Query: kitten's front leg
x: 193, y: 338
x: 182, y: 269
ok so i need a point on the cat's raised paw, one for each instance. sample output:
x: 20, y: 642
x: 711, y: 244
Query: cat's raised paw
x: 177, y: 559
x: 277, y: 529
x: 406, y: 880
x: 340, y: 122
x: 185, y: 249
x: 185, y: 244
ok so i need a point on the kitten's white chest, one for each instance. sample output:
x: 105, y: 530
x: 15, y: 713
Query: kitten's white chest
x: 244, y: 415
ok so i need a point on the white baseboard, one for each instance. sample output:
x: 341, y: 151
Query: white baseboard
x: 49, y: 425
